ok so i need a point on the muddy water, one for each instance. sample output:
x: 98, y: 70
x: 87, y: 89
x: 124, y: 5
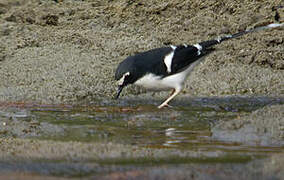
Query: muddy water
x: 144, y: 126
x: 185, y: 128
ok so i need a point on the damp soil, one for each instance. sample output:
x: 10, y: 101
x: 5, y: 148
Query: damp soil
x: 67, y: 51
x: 58, y: 118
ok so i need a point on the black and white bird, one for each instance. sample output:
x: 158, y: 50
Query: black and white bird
x: 167, y: 68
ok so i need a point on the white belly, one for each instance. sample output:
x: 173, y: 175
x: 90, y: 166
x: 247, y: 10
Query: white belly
x: 150, y: 81
x: 153, y: 82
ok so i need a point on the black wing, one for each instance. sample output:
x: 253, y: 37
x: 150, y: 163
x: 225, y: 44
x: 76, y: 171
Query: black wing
x: 184, y: 56
x: 152, y: 61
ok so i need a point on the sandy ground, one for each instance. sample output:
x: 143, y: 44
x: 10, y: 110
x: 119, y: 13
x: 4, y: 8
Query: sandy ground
x: 67, y: 51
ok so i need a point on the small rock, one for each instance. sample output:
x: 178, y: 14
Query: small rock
x: 51, y: 19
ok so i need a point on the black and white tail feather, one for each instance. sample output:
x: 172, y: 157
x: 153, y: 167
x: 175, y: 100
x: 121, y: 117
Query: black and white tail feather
x: 210, y: 43
x: 167, y: 68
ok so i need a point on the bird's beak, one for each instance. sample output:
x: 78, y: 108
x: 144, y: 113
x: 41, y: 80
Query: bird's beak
x: 120, y: 87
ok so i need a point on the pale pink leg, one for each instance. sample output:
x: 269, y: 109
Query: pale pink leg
x: 172, y: 95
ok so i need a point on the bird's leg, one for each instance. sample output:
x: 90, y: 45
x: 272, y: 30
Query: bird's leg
x: 172, y: 95
x: 165, y: 103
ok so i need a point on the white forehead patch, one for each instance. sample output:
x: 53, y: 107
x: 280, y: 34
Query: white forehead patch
x: 121, y: 80
x: 168, y: 61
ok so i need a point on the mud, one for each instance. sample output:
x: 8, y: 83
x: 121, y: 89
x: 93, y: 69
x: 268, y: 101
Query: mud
x: 261, y: 127
x: 66, y: 52
x: 19, y: 123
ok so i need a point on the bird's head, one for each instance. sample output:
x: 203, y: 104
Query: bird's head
x: 124, y: 75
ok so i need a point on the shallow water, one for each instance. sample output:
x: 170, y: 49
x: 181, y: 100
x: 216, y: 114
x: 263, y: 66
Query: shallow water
x: 187, y: 126
x: 181, y: 127
x: 178, y: 128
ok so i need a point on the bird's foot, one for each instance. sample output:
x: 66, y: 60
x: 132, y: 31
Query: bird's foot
x: 164, y: 105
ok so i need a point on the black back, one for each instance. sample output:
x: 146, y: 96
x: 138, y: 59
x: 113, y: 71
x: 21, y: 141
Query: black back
x: 143, y: 63
x: 184, y: 56
x: 152, y: 61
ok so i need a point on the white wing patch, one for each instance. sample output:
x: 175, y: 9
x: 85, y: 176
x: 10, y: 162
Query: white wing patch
x: 218, y: 39
x: 173, y: 47
x: 199, y: 48
x: 168, y: 61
